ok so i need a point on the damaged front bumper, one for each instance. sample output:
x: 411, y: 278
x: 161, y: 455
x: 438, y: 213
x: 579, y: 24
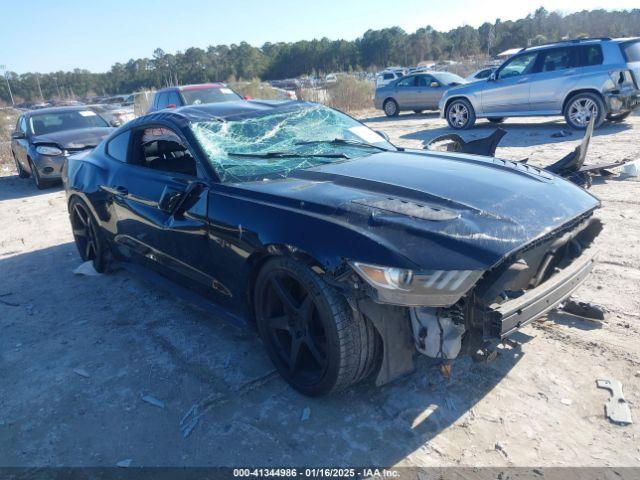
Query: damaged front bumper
x: 515, y: 314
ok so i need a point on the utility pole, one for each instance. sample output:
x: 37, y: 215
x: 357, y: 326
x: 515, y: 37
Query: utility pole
x: 39, y: 89
x: 6, y: 77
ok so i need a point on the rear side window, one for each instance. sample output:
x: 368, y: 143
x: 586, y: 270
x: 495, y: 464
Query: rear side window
x: 631, y: 51
x: 590, y: 55
x: 162, y: 100
x: 406, y: 82
x: 118, y: 147
x: 556, y: 59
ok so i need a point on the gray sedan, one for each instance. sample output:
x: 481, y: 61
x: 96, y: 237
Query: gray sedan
x: 418, y: 92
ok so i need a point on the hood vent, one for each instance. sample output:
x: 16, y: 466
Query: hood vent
x: 409, y: 209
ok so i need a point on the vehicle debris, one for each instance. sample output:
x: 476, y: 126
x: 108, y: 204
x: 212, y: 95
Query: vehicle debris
x: 189, y: 421
x: 561, y: 134
x: 86, y: 269
x: 583, y: 309
x: 82, y: 372
x: 616, y: 408
x: 153, y: 401
x: 566, y: 401
x: 124, y: 463
x: 455, y: 143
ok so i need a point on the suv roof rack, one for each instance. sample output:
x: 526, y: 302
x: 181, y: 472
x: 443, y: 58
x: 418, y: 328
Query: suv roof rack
x: 573, y: 40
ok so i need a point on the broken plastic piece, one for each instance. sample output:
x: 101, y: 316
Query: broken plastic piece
x: 153, y: 401
x: 483, y: 146
x: 86, y: 269
x: 583, y: 309
x: 616, y: 408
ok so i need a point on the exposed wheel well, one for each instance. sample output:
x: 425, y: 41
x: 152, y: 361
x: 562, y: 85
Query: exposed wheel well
x: 448, y: 102
x: 582, y: 90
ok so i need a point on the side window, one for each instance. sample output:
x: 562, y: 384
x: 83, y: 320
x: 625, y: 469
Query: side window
x: 388, y: 76
x: 23, y: 125
x: 162, y: 149
x: 520, y: 65
x: 162, y: 100
x: 406, y: 82
x: 590, y: 55
x: 484, y: 73
x: 556, y: 59
x: 425, y: 80
x: 118, y: 146
x: 174, y: 99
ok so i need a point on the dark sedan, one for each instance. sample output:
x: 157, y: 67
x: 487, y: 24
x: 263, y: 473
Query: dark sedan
x: 347, y: 253
x: 43, y: 138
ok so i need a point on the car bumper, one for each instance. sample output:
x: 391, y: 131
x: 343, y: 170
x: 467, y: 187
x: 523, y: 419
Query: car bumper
x: 49, y: 167
x: 622, y: 102
x: 514, y: 314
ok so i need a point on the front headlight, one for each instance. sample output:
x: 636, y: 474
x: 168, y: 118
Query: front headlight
x: 437, y: 288
x: 48, y: 150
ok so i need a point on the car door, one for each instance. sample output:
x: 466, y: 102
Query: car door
x: 555, y: 74
x: 20, y: 142
x: 508, y: 90
x: 429, y: 91
x: 405, y: 92
x: 158, y: 197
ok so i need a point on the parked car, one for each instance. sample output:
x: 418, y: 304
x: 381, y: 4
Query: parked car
x: 116, y: 115
x: 346, y: 253
x: 481, y: 74
x: 44, y: 138
x: 331, y: 79
x: 173, y: 97
x: 576, y: 78
x: 386, y: 77
x: 417, y: 92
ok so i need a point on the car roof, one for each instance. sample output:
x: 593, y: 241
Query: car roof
x: 221, y: 111
x: 194, y: 86
x: 40, y: 111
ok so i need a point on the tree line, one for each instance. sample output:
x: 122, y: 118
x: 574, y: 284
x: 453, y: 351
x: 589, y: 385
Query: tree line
x: 375, y: 49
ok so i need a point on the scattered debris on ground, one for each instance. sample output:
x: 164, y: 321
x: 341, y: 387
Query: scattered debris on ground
x: 616, y: 408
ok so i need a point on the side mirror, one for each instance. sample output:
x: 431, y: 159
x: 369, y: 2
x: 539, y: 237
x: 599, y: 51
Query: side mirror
x: 169, y: 200
x: 115, y: 123
x: 435, y: 84
x: 17, y: 136
x: 382, y: 134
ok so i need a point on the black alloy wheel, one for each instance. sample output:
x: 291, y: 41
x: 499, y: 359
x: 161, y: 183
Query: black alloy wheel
x: 309, y: 330
x: 86, y: 235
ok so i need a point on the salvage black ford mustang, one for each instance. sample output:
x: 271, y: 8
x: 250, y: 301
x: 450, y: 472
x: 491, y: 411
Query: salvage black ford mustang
x: 347, y: 253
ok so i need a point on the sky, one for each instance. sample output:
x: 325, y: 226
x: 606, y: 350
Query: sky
x: 44, y: 35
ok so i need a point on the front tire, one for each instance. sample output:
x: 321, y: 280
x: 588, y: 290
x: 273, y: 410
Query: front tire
x: 581, y: 107
x: 40, y: 184
x: 87, y: 235
x: 460, y: 114
x: 21, y: 171
x: 391, y: 108
x: 309, y: 331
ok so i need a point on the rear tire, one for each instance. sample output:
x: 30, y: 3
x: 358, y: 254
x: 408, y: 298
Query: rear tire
x: 309, y: 330
x: 581, y: 107
x: 496, y: 119
x: 460, y: 114
x: 21, y: 172
x: 391, y: 108
x: 87, y: 235
x: 617, y: 117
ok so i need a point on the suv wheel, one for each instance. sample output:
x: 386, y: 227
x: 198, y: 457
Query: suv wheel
x: 309, y: 331
x: 581, y: 107
x: 460, y: 114
x: 391, y: 108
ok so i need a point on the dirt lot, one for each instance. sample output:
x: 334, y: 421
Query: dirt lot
x: 77, y: 354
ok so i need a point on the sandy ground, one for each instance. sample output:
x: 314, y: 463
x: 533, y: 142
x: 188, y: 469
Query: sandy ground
x: 77, y: 354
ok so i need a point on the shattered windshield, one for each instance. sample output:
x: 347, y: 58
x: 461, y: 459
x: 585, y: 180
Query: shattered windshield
x: 273, y: 145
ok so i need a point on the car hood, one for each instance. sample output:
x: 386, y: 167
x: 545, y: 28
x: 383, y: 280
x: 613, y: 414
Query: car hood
x: 435, y: 209
x: 75, y: 139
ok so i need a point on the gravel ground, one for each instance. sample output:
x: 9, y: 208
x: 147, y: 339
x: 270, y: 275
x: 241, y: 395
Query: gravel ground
x: 78, y: 354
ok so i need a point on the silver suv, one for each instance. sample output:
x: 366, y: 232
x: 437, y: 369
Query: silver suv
x: 575, y: 78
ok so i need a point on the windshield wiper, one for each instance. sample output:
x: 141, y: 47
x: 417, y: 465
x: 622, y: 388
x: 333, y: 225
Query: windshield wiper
x: 287, y: 155
x: 342, y: 141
